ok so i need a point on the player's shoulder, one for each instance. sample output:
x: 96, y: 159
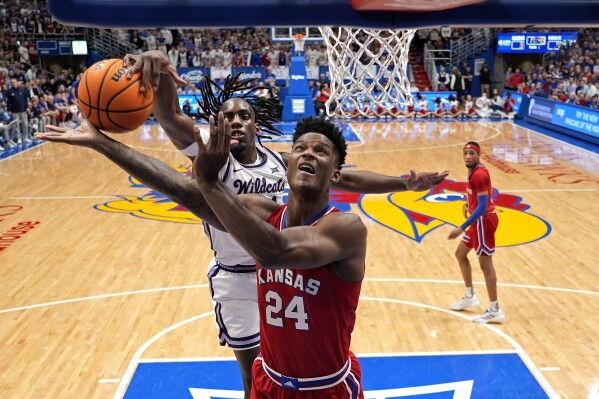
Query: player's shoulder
x: 480, y: 173
x: 344, y: 223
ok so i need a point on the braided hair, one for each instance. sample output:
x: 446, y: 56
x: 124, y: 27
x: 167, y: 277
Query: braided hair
x: 266, y: 111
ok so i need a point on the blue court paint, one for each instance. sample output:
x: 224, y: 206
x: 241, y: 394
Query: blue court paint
x: 455, y: 376
x: 10, y: 151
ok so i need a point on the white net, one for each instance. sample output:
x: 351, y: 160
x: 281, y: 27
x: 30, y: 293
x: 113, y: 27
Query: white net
x: 368, y: 69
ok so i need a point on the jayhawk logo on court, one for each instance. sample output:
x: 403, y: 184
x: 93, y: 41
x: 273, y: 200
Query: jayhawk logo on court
x: 411, y: 214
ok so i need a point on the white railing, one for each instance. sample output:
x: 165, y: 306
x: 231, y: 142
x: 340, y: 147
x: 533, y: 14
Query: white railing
x: 108, y: 43
x: 460, y: 50
x: 468, y: 46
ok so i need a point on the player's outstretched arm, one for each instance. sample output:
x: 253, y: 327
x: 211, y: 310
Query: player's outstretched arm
x: 337, y: 239
x: 157, y: 69
x: 150, y: 171
x: 373, y: 183
x: 367, y: 182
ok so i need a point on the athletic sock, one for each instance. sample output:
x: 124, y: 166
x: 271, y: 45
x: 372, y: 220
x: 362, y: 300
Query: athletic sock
x: 494, y: 306
x: 469, y: 292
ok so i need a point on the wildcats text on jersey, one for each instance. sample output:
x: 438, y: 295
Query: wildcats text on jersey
x: 290, y: 278
x: 259, y: 185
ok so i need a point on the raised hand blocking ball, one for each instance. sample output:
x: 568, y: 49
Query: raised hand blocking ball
x: 112, y: 102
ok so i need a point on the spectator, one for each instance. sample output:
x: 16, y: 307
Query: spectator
x: 323, y: 96
x: 508, y: 107
x: 17, y: 108
x: 485, y: 79
x: 457, y: 82
x: 468, y: 80
x: 444, y: 79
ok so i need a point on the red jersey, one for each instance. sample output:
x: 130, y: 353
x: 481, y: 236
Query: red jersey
x: 306, y: 315
x: 479, y: 181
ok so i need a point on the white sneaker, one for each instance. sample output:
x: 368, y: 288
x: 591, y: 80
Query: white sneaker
x: 490, y: 316
x: 11, y: 143
x: 1, y: 148
x: 466, y: 303
x: 27, y: 140
x: 19, y: 141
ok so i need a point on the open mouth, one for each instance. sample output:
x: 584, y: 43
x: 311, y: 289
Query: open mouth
x: 307, y: 168
x: 236, y: 135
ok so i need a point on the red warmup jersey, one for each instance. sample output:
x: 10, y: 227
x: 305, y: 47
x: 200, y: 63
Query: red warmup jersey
x: 479, y: 181
x: 306, y: 315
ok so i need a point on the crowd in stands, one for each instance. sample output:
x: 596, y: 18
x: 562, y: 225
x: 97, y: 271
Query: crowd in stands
x: 29, y: 17
x: 572, y: 75
x: 31, y: 97
x: 220, y: 47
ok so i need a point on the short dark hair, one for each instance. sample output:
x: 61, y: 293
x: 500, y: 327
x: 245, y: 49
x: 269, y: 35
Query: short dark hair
x: 326, y: 128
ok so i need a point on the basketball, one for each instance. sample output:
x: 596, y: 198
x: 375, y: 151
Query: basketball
x: 112, y: 102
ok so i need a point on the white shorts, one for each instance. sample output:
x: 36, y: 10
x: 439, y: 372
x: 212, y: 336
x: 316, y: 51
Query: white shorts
x: 235, y: 298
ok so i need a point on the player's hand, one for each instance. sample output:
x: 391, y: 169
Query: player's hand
x: 465, y: 210
x: 151, y: 64
x: 455, y: 232
x: 85, y: 135
x: 213, y: 155
x: 424, y: 180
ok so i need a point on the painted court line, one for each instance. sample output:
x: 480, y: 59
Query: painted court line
x: 388, y: 280
x: 67, y: 197
x: 21, y: 152
x: 431, y: 147
x: 556, y: 139
x: 549, y: 190
x: 120, y: 392
x: 89, y: 298
x: 109, y: 381
x: 533, y: 287
x: 518, y: 349
x: 523, y: 355
x: 385, y: 354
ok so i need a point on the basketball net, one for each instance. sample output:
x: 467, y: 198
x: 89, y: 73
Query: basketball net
x: 368, y: 70
x: 298, y: 43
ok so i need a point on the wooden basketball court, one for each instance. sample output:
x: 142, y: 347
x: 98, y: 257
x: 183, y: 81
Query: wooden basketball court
x: 96, y: 276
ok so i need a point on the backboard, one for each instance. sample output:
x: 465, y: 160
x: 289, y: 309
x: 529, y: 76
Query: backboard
x: 286, y: 34
x: 314, y: 13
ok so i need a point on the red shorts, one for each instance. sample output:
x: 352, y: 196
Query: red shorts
x: 481, y: 234
x: 263, y: 387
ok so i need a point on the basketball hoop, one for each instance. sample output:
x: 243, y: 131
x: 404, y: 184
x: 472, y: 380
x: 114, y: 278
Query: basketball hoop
x: 367, y: 66
x: 298, y: 43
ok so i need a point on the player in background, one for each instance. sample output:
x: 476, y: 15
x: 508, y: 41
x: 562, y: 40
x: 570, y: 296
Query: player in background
x: 479, y: 235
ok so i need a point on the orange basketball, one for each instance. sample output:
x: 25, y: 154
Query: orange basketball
x: 112, y: 102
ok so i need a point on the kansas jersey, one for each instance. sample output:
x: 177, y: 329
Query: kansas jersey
x: 479, y: 181
x: 266, y: 177
x: 306, y: 315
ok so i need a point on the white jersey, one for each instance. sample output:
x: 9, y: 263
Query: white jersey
x: 468, y: 106
x: 266, y: 177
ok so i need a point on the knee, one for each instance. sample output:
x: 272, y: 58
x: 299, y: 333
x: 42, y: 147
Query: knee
x: 460, y: 256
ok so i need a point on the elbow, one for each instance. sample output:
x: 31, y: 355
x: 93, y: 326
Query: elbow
x: 268, y: 259
x: 271, y: 256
